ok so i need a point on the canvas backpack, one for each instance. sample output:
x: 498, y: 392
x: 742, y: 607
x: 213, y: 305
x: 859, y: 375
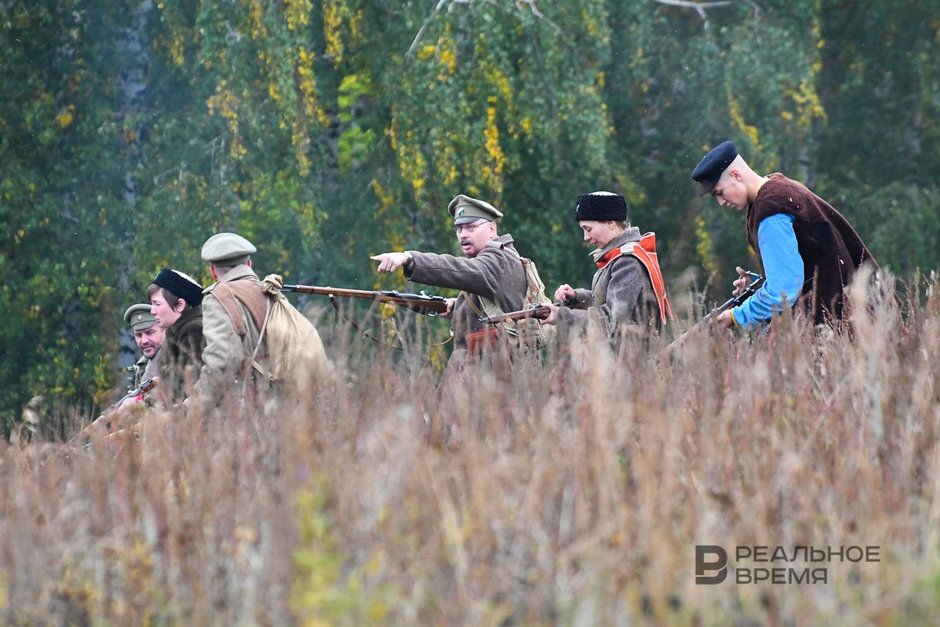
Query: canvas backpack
x: 289, y: 350
x: 295, y: 356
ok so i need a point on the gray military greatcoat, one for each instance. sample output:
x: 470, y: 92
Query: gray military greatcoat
x: 621, y: 293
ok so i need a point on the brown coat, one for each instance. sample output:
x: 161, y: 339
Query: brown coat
x: 496, y: 273
x: 831, y: 249
x: 180, y: 357
x: 227, y: 357
x: 621, y: 292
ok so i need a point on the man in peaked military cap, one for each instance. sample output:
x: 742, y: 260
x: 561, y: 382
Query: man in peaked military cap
x: 491, y: 276
x: 808, y: 250
x: 149, y: 337
x: 233, y: 312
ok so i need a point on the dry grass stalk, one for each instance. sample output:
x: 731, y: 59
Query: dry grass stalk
x: 566, y: 492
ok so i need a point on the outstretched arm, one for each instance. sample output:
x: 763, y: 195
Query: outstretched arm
x: 389, y: 262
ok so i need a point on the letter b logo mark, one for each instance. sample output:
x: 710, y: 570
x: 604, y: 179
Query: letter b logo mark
x: 704, y: 566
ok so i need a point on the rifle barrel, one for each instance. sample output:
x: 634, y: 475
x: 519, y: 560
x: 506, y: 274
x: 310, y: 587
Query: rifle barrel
x: 330, y: 291
x: 734, y: 301
x: 416, y: 302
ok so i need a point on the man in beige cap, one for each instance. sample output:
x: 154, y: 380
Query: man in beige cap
x: 233, y: 312
x: 149, y: 337
x: 259, y: 348
x: 491, y: 277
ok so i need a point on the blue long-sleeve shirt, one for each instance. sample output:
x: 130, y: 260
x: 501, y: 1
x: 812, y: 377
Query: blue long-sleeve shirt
x: 783, y: 268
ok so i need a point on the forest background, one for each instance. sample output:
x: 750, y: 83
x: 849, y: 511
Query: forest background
x: 130, y: 131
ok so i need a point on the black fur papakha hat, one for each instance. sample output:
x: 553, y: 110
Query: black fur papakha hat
x: 180, y: 284
x: 601, y: 206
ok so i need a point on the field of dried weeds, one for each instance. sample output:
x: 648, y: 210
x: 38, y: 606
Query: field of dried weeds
x: 572, y: 491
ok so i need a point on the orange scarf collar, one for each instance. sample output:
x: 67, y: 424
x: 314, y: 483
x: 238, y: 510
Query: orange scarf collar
x: 609, y: 256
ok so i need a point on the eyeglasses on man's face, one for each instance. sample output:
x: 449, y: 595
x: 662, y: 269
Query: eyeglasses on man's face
x: 468, y: 228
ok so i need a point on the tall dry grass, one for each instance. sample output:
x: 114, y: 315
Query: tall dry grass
x: 567, y: 492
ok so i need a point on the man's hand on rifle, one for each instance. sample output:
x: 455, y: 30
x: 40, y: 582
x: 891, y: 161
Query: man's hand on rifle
x: 552, y: 317
x: 450, y: 308
x: 744, y: 279
x: 130, y: 400
x: 725, y: 319
x: 389, y: 262
x: 564, y: 293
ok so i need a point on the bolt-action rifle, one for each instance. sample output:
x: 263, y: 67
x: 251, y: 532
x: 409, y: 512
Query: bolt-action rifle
x: 539, y: 312
x: 757, y: 281
x: 109, y: 415
x: 536, y: 310
x: 420, y: 303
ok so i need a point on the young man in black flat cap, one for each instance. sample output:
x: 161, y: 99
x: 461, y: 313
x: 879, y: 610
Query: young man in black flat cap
x: 808, y: 250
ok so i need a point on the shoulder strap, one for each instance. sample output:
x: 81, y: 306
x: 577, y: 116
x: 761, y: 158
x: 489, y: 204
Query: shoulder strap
x: 264, y: 327
x: 230, y: 297
x: 645, y: 251
x: 490, y: 308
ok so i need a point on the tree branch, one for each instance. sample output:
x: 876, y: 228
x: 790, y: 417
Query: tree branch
x: 424, y: 27
x: 698, y: 6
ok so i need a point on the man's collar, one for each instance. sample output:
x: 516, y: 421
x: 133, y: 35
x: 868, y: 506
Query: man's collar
x: 500, y: 242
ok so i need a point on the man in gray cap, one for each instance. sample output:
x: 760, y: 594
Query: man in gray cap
x: 233, y: 312
x: 491, y: 276
x: 149, y: 337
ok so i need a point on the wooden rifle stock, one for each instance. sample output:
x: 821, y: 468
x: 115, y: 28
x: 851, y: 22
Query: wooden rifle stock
x: 419, y: 303
x: 539, y: 312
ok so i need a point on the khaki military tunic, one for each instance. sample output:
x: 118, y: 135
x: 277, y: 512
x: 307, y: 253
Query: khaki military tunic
x: 146, y: 369
x: 235, y: 300
x: 496, y: 274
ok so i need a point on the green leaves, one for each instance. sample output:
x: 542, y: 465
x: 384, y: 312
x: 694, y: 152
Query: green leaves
x: 326, y: 131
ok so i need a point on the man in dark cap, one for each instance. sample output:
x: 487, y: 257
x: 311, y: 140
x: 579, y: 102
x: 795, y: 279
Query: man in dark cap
x: 175, y: 299
x: 149, y: 337
x: 808, y: 250
x: 490, y: 275
x: 628, y: 290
